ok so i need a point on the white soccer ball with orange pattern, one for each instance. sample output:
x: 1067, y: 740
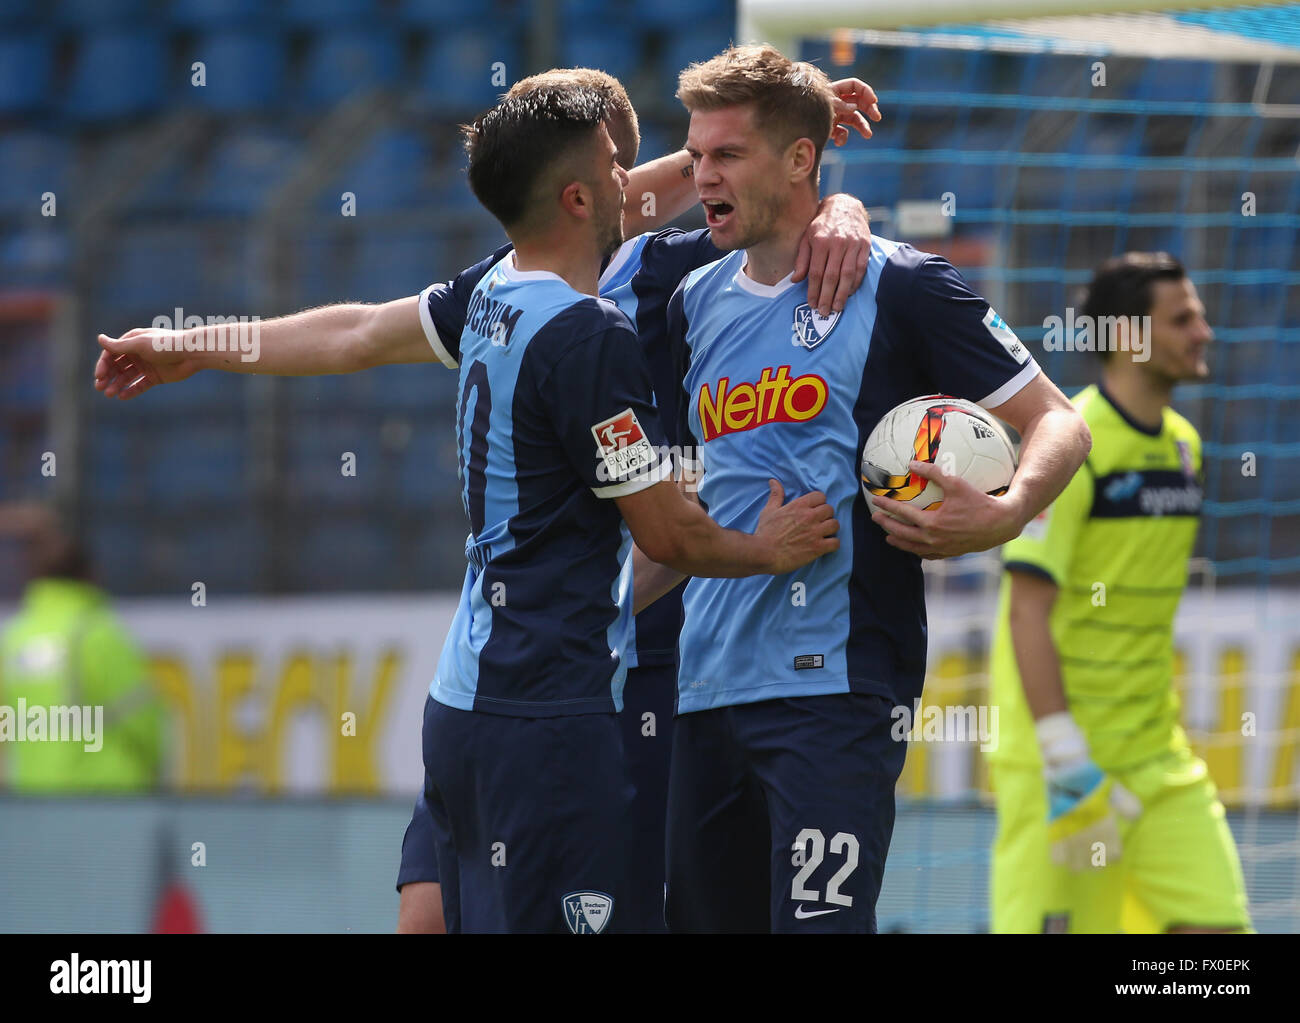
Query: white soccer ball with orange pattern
x: 956, y: 435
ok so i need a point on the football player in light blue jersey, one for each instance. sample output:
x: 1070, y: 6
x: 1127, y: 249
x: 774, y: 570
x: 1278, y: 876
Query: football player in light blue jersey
x: 781, y: 797
x: 640, y: 278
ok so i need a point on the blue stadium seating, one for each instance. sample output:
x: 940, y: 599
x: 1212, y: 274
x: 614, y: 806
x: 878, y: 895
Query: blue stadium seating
x: 331, y: 13
x: 93, y: 13
x: 193, y: 460
x: 35, y: 257
x: 32, y: 163
x: 1263, y: 246
x: 590, y: 15
x: 316, y: 452
x: 315, y: 394
x: 341, y: 63
x: 614, y: 49
x: 1274, y: 23
x: 704, y: 40
x: 339, y: 552
x: 316, y: 259
x: 420, y: 476
x: 26, y: 383
x: 682, y: 15
x: 937, y: 69
x: 1285, y: 84
x: 26, y: 68
x: 397, y: 263
x: 876, y: 184
x: 228, y: 552
x: 1059, y: 75
x: 441, y: 15
x: 980, y: 188
x: 19, y: 12
x: 110, y: 460
x: 244, y: 71
x: 240, y: 174
x: 118, y: 74
x: 456, y: 72
x: 391, y: 172
x: 657, y: 142
x: 1181, y: 81
x: 217, y: 13
x: 152, y: 268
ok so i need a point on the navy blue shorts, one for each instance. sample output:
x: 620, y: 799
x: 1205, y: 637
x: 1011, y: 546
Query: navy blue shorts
x: 780, y: 815
x: 532, y: 822
x: 419, y: 860
x: 649, y: 699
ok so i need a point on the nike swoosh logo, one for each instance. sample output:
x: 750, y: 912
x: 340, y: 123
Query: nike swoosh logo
x: 801, y: 914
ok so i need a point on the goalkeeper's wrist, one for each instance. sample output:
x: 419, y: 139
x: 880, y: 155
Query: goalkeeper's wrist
x: 1061, y: 742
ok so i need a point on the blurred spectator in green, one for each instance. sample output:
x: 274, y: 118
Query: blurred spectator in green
x: 67, y: 661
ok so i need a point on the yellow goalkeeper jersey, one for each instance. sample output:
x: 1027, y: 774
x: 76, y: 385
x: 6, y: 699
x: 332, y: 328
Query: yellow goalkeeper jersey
x: 1116, y: 543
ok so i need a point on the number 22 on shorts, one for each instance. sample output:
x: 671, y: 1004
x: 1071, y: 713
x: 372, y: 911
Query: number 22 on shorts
x: 809, y: 859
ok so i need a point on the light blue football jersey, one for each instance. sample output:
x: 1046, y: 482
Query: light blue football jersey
x: 640, y: 278
x: 555, y: 418
x: 772, y: 390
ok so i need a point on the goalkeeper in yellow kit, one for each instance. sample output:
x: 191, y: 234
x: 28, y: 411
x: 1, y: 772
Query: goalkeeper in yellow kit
x: 1106, y: 820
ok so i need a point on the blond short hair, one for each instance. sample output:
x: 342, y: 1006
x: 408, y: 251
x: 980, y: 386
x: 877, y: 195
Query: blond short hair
x: 624, y: 128
x: 791, y: 99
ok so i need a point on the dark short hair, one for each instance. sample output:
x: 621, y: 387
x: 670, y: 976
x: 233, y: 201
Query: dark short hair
x: 621, y: 119
x: 1122, y: 286
x: 515, y: 144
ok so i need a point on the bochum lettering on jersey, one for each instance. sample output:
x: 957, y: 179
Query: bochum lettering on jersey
x: 492, y: 319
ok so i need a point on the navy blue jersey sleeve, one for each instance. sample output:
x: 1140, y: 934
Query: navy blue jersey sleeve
x: 599, y: 397
x: 670, y: 255
x: 679, y: 357
x: 443, y: 307
x: 968, y: 350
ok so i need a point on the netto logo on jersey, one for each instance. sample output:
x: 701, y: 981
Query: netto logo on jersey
x: 773, y: 399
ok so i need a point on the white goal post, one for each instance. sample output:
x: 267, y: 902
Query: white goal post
x: 784, y: 22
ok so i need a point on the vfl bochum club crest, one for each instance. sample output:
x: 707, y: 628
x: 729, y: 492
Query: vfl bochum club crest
x: 811, y: 328
x: 587, y: 912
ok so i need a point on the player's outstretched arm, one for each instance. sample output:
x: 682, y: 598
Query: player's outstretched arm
x: 330, y: 339
x: 678, y: 533
x: 1056, y: 440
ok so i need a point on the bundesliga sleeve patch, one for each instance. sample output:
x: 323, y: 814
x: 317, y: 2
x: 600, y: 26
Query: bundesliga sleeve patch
x: 622, y: 446
x: 1005, y: 336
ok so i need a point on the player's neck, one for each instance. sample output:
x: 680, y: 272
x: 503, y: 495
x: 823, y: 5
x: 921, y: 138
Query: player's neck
x: 772, y: 260
x: 572, y: 259
x: 1139, y: 396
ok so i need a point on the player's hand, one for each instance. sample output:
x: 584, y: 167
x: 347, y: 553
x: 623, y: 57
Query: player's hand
x: 834, y: 252
x: 130, y: 365
x: 852, y: 97
x: 1082, y: 804
x: 967, y: 520
x: 1082, y: 800
x: 798, y: 532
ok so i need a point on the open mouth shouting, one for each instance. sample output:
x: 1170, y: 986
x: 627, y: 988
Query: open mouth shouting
x: 717, y: 212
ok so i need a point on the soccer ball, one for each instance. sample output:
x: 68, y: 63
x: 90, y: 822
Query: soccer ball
x: 957, y: 435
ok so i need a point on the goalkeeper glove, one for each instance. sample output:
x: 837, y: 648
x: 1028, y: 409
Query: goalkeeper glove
x: 1082, y: 800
